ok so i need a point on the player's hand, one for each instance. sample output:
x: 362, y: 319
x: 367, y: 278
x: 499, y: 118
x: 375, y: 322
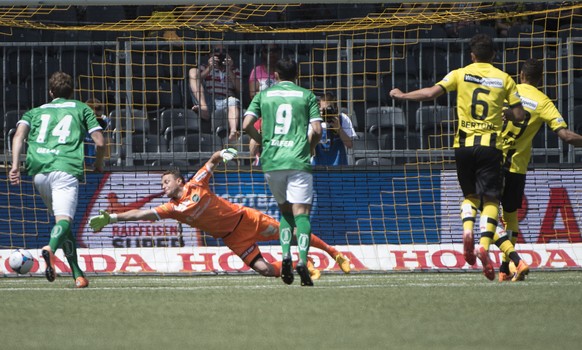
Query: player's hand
x: 228, y: 154
x: 97, y: 222
x: 396, y: 93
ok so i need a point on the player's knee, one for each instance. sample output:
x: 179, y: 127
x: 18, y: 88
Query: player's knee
x: 264, y: 268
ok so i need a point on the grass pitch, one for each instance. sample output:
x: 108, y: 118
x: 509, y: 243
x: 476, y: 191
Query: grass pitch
x: 357, y: 311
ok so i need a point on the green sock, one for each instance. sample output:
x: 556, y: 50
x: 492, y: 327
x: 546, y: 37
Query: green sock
x: 70, y: 249
x: 58, y: 234
x: 286, y: 227
x: 303, y: 236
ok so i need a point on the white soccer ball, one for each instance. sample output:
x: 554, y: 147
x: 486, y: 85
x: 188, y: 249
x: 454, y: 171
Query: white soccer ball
x: 21, y: 261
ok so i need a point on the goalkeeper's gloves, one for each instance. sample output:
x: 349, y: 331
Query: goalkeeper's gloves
x: 97, y: 222
x: 228, y: 154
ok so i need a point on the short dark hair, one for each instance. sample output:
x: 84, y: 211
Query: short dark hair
x: 533, y: 71
x: 175, y: 172
x: 287, y: 69
x: 61, y: 85
x: 482, y: 47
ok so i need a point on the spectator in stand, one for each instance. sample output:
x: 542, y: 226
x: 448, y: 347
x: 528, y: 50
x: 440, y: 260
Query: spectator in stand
x: 337, y: 134
x: 97, y: 107
x: 221, y: 84
x: 262, y: 77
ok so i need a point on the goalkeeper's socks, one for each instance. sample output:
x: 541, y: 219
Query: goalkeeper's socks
x: 303, y: 236
x: 59, y: 234
x: 319, y: 243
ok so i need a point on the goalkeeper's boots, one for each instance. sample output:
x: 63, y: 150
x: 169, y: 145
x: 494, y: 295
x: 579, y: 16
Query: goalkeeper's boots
x: 488, y: 270
x: 469, y: 247
x: 49, y: 258
x: 303, y: 272
x: 81, y: 282
x: 522, y: 270
x: 314, y: 273
x: 343, y: 262
x: 287, y: 270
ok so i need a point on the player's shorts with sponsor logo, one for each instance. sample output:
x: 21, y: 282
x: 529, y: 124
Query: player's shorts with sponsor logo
x: 254, y: 226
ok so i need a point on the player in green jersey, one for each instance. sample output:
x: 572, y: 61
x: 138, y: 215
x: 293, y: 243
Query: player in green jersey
x: 287, y: 111
x: 481, y: 92
x: 517, y: 143
x: 55, y: 158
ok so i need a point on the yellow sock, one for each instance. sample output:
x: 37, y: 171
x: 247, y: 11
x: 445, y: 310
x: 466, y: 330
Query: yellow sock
x: 488, y: 223
x: 468, y: 213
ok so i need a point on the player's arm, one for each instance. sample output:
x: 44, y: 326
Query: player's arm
x: 315, y: 134
x: 104, y: 218
x: 17, y: 145
x: 570, y: 137
x: 249, y: 128
x: 424, y: 94
x: 99, y: 139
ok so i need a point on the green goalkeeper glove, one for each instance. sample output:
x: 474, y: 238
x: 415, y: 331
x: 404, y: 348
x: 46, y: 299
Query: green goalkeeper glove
x: 97, y: 222
x: 228, y: 154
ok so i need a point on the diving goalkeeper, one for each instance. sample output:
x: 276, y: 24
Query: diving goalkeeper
x: 193, y: 203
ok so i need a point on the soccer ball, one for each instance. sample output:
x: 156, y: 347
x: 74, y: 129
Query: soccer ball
x: 21, y: 261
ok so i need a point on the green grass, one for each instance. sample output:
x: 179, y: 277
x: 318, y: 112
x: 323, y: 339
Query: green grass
x: 358, y: 311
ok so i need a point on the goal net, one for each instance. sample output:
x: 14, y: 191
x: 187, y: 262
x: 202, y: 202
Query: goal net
x: 393, y: 207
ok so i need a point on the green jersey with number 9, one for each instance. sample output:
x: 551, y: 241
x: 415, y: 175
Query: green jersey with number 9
x: 287, y: 110
x: 481, y: 92
x: 55, y: 139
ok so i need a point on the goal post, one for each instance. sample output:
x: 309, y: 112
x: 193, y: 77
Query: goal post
x: 394, y: 207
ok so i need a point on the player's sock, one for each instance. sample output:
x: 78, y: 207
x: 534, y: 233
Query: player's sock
x: 468, y: 213
x: 488, y: 223
x: 286, y: 227
x: 303, y: 236
x: 70, y: 250
x: 319, y: 243
x: 59, y: 234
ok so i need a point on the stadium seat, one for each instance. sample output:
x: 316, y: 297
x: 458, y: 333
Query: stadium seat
x: 380, y: 119
x: 175, y: 122
x: 435, y: 125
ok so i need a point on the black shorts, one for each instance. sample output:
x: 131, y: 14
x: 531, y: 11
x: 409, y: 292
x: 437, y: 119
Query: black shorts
x: 513, y: 191
x: 479, y: 170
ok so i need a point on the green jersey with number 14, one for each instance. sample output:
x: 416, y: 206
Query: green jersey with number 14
x: 287, y: 110
x: 55, y: 140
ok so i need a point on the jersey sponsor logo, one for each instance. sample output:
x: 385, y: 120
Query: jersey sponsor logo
x: 69, y: 104
x: 42, y: 150
x: 490, y: 82
x: 283, y: 143
x: 529, y: 103
x: 281, y: 93
x: 195, y: 198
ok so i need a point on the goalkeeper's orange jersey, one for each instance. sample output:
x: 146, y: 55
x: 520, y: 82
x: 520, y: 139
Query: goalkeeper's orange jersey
x: 481, y: 91
x: 201, y: 208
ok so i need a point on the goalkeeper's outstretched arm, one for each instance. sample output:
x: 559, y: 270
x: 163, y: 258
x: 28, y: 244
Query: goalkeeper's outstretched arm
x: 104, y: 218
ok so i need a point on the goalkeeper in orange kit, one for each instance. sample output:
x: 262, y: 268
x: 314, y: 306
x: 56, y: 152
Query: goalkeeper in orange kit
x: 193, y: 203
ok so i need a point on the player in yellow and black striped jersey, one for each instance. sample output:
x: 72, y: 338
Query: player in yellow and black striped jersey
x: 517, y: 143
x: 481, y: 92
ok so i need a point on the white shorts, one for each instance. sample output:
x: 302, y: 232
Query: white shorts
x: 59, y: 192
x: 293, y: 186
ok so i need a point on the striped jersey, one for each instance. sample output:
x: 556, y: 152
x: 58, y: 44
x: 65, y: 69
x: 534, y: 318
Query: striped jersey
x: 287, y: 110
x: 517, y: 138
x: 481, y: 92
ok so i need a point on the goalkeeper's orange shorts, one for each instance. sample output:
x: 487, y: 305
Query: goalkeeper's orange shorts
x: 254, y: 226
